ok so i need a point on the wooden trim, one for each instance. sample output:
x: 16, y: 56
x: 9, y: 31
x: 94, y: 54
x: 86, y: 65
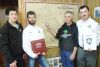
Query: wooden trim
x: 22, y: 15
x: 34, y: 1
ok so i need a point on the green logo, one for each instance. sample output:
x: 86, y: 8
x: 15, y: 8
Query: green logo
x: 65, y: 31
x: 89, y: 26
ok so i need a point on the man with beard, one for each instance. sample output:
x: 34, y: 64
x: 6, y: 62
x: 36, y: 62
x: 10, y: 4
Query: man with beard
x: 31, y: 33
x: 86, y: 57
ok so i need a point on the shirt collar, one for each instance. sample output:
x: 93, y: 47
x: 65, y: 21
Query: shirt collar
x: 86, y: 20
x: 31, y: 25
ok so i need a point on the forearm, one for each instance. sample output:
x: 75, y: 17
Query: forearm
x: 74, y: 51
x: 28, y: 49
x: 52, y: 31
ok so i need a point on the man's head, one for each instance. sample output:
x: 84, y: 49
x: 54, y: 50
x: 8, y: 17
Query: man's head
x: 12, y: 14
x: 68, y: 17
x: 84, y: 12
x: 31, y: 16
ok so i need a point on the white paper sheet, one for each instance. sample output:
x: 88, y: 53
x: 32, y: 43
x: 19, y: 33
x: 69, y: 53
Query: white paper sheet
x: 90, y: 41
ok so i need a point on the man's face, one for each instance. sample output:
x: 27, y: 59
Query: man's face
x: 84, y: 13
x: 68, y: 17
x: 13, y: 16
x: 32, y: 19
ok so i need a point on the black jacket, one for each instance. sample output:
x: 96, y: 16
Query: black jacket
x: 11, y: 41
x: 68, y: 37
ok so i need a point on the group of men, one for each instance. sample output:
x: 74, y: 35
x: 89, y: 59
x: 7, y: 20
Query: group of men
x: 15, y: 42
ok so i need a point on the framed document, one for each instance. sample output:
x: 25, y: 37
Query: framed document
x: 97, y: 12
x: 90, y: 41
x: 39, y: 46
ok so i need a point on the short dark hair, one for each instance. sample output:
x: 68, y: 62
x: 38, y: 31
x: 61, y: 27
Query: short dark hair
x: 7, y: 11
x: 84, y: 6
x: 31, y: 13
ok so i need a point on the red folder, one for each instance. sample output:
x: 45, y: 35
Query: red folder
x: 39, y: 46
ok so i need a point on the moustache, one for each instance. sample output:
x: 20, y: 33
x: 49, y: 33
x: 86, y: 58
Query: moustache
x: 84, y: 15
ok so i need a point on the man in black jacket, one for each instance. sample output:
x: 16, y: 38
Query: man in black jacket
x: 68, y: 39
x: 11, y: 40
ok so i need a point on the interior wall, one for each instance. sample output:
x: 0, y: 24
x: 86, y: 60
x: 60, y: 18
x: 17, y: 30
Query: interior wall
x: 92, y: 4
x: 22, y: 6
x: 3, y: 5
x: 2, y: 16
x: 6, y: 3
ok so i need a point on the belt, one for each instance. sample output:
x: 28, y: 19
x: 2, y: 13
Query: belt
x: 87, y: 50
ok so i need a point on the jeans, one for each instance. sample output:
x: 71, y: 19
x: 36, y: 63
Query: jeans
x: 7, y: 65
x: 86, y: 58
x: 41, y: 59
x: 66, y: 62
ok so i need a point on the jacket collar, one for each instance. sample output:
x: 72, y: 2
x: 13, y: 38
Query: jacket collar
x: 9, y: 25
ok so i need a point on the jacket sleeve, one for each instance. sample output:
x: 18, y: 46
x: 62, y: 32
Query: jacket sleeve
x: 76, y: 44
x: 58, y: 34
x: 4, y: 47
x: 27, y: 44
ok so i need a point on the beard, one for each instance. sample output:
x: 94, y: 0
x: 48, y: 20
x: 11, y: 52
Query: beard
x: 32, y: 22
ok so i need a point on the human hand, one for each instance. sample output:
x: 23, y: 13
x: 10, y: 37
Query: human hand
x: 72, y: 57
x: 36, y: 55
x: 43, y: 53
x: 13, y: 64
x: 47, y: 24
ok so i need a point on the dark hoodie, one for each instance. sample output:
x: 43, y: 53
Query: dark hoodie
x: 68, y: 37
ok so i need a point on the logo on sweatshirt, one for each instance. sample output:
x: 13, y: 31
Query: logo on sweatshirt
x: 65, y: 34
x: 65, y: 31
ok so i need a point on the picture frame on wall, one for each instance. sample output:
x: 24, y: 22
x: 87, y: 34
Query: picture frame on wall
x: 54, y: 62
x: 97, y: 12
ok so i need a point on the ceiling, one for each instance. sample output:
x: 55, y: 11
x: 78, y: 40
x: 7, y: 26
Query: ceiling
x: 8, y: 2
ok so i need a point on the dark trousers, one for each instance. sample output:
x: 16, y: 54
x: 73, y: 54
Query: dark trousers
x: 86, y: 58
x: 20, y: 61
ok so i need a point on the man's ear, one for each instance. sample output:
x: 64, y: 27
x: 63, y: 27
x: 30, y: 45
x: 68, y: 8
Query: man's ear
x: 89, y: 13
